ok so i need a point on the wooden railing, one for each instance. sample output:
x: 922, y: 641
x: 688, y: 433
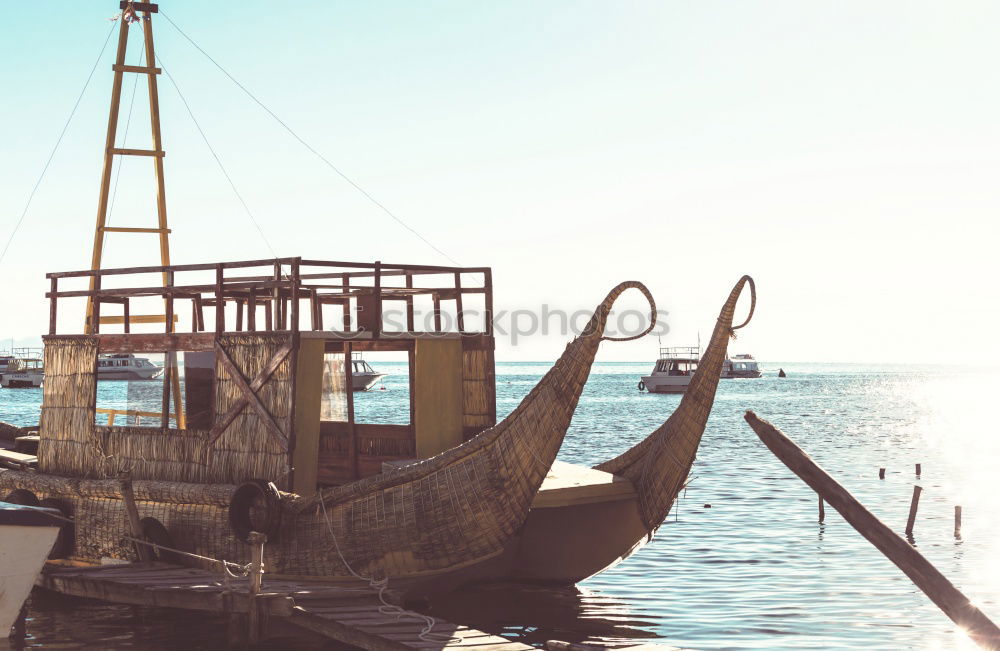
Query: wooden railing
x: 358, y: 289
x: 127, y: 413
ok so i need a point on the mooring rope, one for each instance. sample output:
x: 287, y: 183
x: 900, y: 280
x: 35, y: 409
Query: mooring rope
x: 381, y: 585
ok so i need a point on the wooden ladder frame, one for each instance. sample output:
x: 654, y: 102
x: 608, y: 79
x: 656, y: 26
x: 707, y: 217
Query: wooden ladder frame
x: 144, y: 12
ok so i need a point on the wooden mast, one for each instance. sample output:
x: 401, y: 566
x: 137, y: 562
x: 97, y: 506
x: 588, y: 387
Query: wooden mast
x: 143, y: 13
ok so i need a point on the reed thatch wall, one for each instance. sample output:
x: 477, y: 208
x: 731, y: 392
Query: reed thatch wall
x: 153, y: 453
x: 66, y: 428
x: 247, y: 449
x: 478, y: 392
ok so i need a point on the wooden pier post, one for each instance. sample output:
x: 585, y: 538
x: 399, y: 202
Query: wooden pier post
x: 958, y: 521
x: 918, y: 469
x: 822, y: 513
x: 881, y: 473
x: 924, y: 575
x: 914, y: 503
x: 132, y: 511
x: 256, y: 541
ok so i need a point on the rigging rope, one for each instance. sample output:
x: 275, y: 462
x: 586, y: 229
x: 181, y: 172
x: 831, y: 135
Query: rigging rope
x: 305, y: 144
x: 218, y: 160
x: 62, y: 133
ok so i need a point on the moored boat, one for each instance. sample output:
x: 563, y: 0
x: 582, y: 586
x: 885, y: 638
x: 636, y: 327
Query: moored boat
x: 126, y: 366
x: 363, y: 376
x: 25, y: 371
x: 673, y: 370
x: 264, y: 437
x: 27, y: 534
x: 740, y: 366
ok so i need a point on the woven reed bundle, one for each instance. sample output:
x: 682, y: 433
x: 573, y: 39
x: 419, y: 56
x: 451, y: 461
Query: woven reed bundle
x: 167, y: 492
x: 459, y: 507
x: 659, y: 464
x: 66, y: 425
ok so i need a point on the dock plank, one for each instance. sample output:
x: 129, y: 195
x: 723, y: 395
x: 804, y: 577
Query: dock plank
x: 346, y: 614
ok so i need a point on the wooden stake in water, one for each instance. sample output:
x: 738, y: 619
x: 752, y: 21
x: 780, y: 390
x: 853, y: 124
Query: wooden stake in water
x: 914, y: 502
x: 925, y: 576
x: 257, y: 541
x: 881, y: 473
x: 822, y: 514
x: 958, y: 521
x: 918, y: 470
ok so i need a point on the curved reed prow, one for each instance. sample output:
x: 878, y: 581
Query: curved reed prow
x: 659, y: 464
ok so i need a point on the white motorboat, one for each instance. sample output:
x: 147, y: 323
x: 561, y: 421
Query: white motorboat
x: 740, y: 366
x: 364, y: 376
x: 6, y: 360
x: 24, y: 371
x: 673, y: 370
x: 125, y: 366
x: 27, y: 534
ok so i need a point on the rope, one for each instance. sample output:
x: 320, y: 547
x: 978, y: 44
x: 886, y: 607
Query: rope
x: 244, y: 570
x: 309, y: 147
x: 211, y: 149
x: 381, y: 585
x: 52, y: 154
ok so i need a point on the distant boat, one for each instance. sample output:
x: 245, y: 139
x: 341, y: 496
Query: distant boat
x: 363, y: 376
x: 673, y: 370
x: 23, y: 370
x: 125, y: 366
x: 740, y: 366
x: 27, y: 534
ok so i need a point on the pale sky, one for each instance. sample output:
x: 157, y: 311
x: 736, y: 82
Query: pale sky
x: 845, y: 154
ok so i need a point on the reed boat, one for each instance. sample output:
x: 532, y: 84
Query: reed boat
x: 259, y: 434
x: 587, y: 519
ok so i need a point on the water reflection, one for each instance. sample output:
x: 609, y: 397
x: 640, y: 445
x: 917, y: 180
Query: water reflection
x: 534, y: 614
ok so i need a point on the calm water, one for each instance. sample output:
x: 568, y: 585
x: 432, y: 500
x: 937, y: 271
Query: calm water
x: 753, y: 570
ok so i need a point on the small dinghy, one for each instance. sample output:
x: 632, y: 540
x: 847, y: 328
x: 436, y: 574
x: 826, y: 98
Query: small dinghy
x: 27, y: 534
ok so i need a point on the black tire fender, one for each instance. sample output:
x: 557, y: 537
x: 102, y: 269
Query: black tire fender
x: 248, y: 496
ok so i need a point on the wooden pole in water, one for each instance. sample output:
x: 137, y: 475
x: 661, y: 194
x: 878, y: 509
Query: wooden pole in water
x: 918, y: 469
x: 914, y: 503
x: 958, y: 521
x: 256, y: 541
x: 925, y: 576
x: 132, y: 511
x: 822, y: 513
x: 881, y: 473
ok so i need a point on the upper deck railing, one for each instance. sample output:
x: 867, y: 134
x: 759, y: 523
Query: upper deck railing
x: 680, y: 352
x: 285, y: 294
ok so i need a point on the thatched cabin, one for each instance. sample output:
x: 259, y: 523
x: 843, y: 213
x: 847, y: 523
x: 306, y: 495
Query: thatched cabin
x: 255, y: 382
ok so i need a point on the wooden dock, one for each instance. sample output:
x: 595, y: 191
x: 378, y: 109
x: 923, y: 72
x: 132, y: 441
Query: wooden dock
x: 352, y: 615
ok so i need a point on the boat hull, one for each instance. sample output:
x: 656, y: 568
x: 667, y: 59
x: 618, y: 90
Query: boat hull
x: 23, y: 550
x: 568, y: 544
x: 365, y: 381
x: 128, y: 374
x: 667, y: 383
x: 21, y: 380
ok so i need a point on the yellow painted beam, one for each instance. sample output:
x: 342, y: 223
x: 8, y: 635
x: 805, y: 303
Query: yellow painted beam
x: 437, y: 395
